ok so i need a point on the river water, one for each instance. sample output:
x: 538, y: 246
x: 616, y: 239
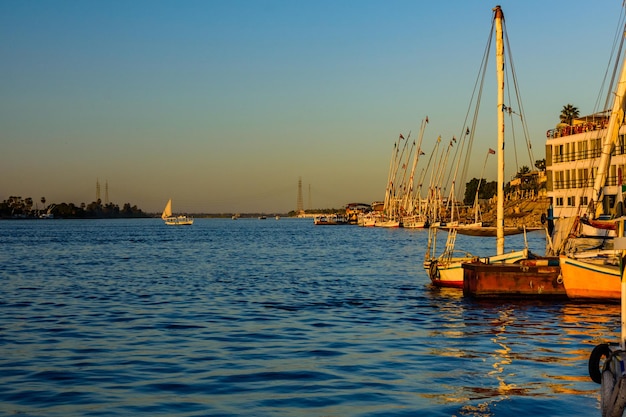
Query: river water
x: 273, y: 318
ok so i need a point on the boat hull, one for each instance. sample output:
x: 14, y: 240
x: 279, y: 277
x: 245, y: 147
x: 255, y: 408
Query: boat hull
x: 584, y: 280
x: 526, y: 279
x: 414, y: 222
x: 449, y: 273
x: 330, y: 220
x: 487, y: 231
x: 178, y: 221
x: 388, y: 224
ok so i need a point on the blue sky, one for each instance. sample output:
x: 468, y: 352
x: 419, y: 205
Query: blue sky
x: 223, y: 105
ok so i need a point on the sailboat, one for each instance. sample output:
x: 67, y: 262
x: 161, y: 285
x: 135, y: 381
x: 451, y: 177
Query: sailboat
x: 412, y: 208
x: 448, y: 271
x: 174, y: 220
x: 528, y: 275
x: 478, y: 227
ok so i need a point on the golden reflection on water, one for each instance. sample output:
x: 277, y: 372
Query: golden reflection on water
x: 600, y: 322
x: 559, y: 343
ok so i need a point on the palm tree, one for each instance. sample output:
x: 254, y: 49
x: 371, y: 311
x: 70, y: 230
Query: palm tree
x: 569, y: 113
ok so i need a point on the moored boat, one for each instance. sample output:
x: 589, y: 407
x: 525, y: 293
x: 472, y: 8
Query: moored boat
x: 594, y: 278
x: 529, y: 275
x: 366, y: 220
x: 330, y: 220
x: 414, y: 222
x: 448, y: 272
x: 387, y: 222
x: 476, y: 230
x: 527, y: 278
x: 453, y: 274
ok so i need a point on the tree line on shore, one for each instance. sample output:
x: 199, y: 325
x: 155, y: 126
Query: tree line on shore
x: 24, y: 208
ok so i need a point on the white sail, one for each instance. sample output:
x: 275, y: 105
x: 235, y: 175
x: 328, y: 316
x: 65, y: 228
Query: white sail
x: 167, y: 211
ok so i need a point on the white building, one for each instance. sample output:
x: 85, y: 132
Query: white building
x: 572, y: 158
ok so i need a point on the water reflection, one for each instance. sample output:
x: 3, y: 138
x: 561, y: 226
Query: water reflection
x: 499, y: 352
x: 273, y: 323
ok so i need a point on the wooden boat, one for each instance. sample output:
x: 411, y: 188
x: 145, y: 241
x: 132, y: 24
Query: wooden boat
x: 527, y: 278
x: 414, y: 222
x: 330, y: 220
x: 366, y: 220
x: 486, y: 231
x: 593, y: 278
x: 604, y: 224
x: 174, y: 220
x: 448, y: 271
x: 452, y: 274
x: 387, y: 222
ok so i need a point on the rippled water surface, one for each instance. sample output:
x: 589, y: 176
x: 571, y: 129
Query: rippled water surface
x: 273, y: 318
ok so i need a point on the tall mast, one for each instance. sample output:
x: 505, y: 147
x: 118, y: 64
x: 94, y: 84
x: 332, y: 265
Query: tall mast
x: 615, y: 121
x: 499, y: 18
x: 409, y: 193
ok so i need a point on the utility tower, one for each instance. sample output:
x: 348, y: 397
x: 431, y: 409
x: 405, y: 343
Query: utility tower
x: 300, y: 203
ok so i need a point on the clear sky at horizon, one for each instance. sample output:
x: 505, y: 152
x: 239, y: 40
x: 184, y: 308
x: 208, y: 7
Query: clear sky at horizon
x: 222, y: 105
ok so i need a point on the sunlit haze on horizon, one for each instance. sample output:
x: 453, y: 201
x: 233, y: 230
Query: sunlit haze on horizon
x: 222, y: 105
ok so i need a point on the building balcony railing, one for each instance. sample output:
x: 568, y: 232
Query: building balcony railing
x: 581, y: 183
x: 588, y: 154
x: 573, y: 130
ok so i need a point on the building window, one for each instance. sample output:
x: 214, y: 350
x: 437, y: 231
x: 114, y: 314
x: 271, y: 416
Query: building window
x: 558, y: 153
x: 612, y: 180
x: 597, y: 147
x: 571, y: 201
x: 584, y: 201
x: 559, y: 201
x: 582, y: 149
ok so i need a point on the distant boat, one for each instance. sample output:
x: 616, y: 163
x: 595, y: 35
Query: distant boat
x: 415, y: 222
x: 330, y: 219
x: 174, y: 220
x: 366, y: 220
x: 48, y: 214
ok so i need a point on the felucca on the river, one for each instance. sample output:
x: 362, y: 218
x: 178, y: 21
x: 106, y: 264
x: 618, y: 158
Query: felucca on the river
x: 402, y: 207
x: 175, y: 220
x: 528, y: 275
x: 447, y: 271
